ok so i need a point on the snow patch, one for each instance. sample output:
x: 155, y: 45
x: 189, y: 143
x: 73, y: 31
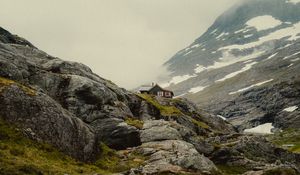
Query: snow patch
x: 178, y: 79
x: 188, y: 53
x: 229, y: 59
x: 296, y: 59
x: 199, y: 68
x: 263, y: 22
x: 221, y: 35
x: 197, y: 89
x: 180, y: 95
x: 214, y: 31
x: 272, y: 56
x: 291, y: 65
x: 289, y: 32
x: 261, y: 129
x: 248, y: 36
x: 291, y: 109
x: 287, y: 57
x: 233, y: 74
x: 222, y: 117
x: 293, y: 1
x: 244, y: 30
x: 249, y: 87
x: 196, y: 45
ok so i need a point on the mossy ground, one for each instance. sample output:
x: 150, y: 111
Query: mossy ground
x: 164, y: 110
x: 20, y: 155
x: 232, y: 170
x: 280, y: 171
x: 134, y: 122
x: 200, y: 124
x: 287, y: 137
x: 113, y: 161
x: 4, y: 83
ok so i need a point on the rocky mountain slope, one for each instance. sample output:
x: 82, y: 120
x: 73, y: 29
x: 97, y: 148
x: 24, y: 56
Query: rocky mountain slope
x: 52, y: 110
x: 245, y: 67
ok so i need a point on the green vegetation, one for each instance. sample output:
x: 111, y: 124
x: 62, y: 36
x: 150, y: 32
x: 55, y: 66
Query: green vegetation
x: 113, y: 161
x: 280, y: 171
x: 164, y: 110
x: 134, y: 122
x: 287, y: 137
x: 20, y: 155
x: 200, y: 124
x: 232, y: 170
x: 4, y: 83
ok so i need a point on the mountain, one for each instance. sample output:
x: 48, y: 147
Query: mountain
x: 58, y: 117
x: 245, y: 67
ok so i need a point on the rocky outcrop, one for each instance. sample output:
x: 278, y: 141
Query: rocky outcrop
x: 174, y: 156
x: 45, y: 120
x: 67, y: 105
x: 265, y: 105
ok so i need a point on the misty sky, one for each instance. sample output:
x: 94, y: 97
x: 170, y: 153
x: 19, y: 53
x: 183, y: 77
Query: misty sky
x: 125, y: 41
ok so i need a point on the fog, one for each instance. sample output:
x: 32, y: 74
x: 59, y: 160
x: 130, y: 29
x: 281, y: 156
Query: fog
x: 125, y: 41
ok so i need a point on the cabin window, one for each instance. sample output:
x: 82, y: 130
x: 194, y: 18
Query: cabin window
x: 160, y: 93
x: 168, y: 94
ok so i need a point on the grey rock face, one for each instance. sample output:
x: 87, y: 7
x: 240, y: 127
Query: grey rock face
x: 159, y: 130
x: 116, y: 133
x: 48, y: 121
x: 174, y: 156
x: 253, y: 152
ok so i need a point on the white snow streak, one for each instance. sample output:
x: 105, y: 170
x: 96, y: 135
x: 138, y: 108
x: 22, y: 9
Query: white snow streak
x: 261, y: 129
x: 233, y: 74
x: 197, y: 89
x: 263, y: 22
x: 289, y: 32
x: 293, y: 1
x: 249, y: 87
x: 291, y: 109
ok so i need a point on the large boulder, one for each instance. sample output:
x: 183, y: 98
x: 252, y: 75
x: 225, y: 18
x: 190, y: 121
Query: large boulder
x: 46, y: 120
x: 174, y: 156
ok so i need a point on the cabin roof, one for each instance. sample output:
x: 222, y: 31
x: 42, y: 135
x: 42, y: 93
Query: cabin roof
x: 145, y: 88
x: 149, y: 88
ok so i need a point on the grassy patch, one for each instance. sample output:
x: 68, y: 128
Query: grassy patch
x: 200, y: 124
x: 232, y: 170
x: 287, y: 137
x: 134, y: 122
x: 4, y: 83
x: 164, y: 110
x: 113, y: 161
x: 19, y: 155
x: 280, y: 171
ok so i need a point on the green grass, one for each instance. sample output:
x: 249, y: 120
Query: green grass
x: 4, y: 83
x: 134, y: 122
x: 20, y: 155
x: 280, y: 171
x: 288, y: 136
x: 200, y: 124
x: 164, y: 110
x: 232, y: 170
x: 113, y: 161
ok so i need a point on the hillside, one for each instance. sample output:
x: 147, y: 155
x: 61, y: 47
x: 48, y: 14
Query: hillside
x: 245, y: 67
x: 59, y: 117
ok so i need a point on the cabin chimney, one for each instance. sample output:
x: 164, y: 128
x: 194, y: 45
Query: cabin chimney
x: 152, y: 84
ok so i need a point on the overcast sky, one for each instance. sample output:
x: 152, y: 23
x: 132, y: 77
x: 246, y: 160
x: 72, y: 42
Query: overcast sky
x: 125, y: 41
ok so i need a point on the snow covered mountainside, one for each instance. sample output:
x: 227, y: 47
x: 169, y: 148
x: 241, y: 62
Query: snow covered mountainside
x: 245, y: 67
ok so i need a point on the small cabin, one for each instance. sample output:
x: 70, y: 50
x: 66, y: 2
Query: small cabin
x: 156, y: 90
